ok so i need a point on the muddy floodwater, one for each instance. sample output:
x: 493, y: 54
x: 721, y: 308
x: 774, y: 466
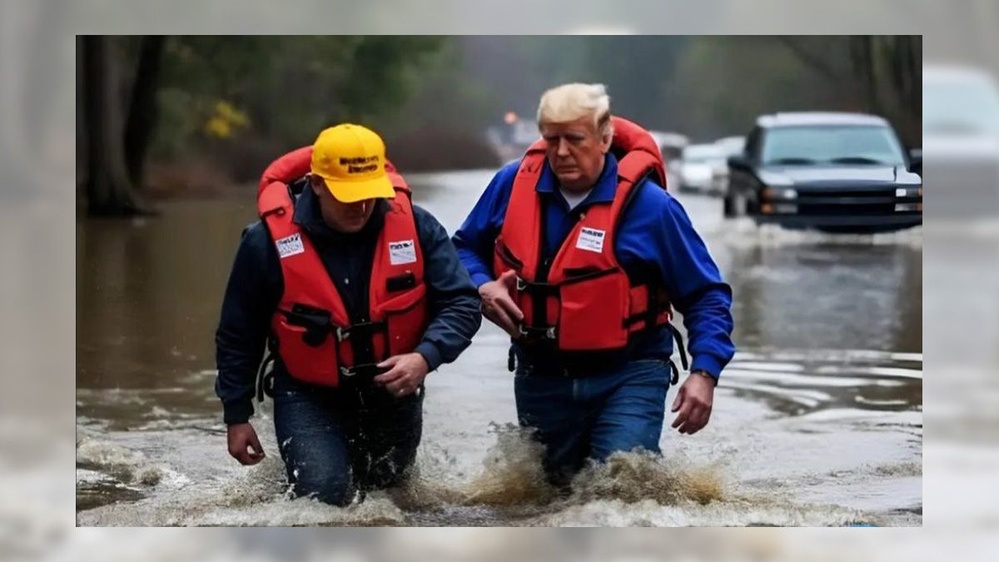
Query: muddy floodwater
x: 818, y: 420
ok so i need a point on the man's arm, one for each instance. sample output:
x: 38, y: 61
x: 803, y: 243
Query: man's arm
x: 697, y: 290
x: 692, y: 279
x: 454, y: 300
x: 476, y: 237
x: 700, y: 294
x: 252, y: 294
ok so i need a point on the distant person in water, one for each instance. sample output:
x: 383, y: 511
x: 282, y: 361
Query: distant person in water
x: 580, y: 254
x: 358, y: 295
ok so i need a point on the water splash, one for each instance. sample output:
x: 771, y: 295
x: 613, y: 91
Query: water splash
x: 509, y: 489
x: 513, y: 472
x: 640, y: 476
x: 129, y: 467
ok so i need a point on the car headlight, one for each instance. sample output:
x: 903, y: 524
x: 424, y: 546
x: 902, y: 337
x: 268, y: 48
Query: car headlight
x: 771, y: 193
x: 908, y: 192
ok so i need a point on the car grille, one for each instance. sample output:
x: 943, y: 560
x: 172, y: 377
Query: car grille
x: 875, y: 200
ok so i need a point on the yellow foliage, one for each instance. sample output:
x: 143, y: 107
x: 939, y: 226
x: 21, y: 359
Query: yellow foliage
x: 225, y: 120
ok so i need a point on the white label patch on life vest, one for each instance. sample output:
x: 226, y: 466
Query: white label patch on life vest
x: 591, y: 239
x: 403, y: 251
x: 289, y: 246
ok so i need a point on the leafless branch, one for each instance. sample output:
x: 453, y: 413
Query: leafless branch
x: 810, y: 59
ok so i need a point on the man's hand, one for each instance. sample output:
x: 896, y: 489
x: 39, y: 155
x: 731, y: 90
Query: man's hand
x: 243, y: 444
x: 693, y: 402
x: 405, y: 373
x: 498, y: 305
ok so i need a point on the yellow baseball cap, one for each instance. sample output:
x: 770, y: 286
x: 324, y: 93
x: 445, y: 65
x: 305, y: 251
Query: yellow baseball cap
x: 351, y: 159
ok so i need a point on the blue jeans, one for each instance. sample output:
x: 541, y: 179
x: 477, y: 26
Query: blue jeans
x: 593, y: 417
x: 336, y: 442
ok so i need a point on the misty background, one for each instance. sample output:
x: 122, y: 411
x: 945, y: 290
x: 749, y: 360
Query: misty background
x: 195, y: 115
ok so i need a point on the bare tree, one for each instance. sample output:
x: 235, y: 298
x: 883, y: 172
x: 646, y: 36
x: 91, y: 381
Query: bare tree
x: 109, y: 189
x: 143, y: 113
x: 884, y: 73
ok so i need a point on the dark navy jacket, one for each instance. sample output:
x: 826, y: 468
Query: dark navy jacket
x: 255, y: 288
x: 655, y: 235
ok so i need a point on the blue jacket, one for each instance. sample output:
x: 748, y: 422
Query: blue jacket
x: 655, y: 233
x: 255, y: 288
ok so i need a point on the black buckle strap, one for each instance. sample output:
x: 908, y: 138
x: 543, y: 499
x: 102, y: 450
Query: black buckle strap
x: 542, y: 289
x: 680, y: 347
x: 539, y: 332
x: 675, y: 378
x: 365, y: 370
x: 265, y: 380
x: 317, y: 323
x: 366, y: 328
x: 656, y: 306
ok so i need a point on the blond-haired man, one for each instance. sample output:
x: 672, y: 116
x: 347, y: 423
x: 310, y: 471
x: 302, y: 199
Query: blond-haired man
x: 580, y: 254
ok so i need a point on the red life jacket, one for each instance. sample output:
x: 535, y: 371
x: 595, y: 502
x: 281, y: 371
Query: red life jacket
x: 311, y: 326
x: 585, y: 302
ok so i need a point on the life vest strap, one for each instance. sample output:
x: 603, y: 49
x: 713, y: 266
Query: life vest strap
x: 265, y: 377
x: 538, y: 332
x: 364, y: 370
x: 367, y: 329
x: 680, y: 346
x: 539, y: 289
x: 675, y: 378
x: 317, y: 323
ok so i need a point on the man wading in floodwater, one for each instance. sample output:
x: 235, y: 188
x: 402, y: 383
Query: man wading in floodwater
x: 579, y: 253
x: 359, y: 295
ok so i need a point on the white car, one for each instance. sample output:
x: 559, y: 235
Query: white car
x: 961, y: 138
x: 703, y: 169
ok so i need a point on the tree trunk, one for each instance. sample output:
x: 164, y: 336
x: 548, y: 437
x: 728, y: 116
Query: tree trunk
x: 894, y: 70
x: 109, y: 191
x: 862, y: 55
x: 910, y: 86
x: 142, y: 112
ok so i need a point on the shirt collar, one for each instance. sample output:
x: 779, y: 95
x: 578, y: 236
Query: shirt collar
x: 603, y: 191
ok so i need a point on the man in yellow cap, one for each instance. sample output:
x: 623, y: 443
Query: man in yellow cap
x: 358, y: 295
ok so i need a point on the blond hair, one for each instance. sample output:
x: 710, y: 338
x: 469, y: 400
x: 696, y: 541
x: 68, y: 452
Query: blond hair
x: 569, y: 102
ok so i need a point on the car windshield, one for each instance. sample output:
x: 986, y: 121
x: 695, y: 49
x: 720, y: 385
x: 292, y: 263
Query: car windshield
x: 960, y: 106
x: 853, y: 144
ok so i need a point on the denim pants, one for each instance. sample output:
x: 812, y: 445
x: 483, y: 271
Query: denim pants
x: 336, y: 442
x: 590, y: 418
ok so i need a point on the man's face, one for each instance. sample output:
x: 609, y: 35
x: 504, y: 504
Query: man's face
x: 342, y: 217
x: 575, y: 151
